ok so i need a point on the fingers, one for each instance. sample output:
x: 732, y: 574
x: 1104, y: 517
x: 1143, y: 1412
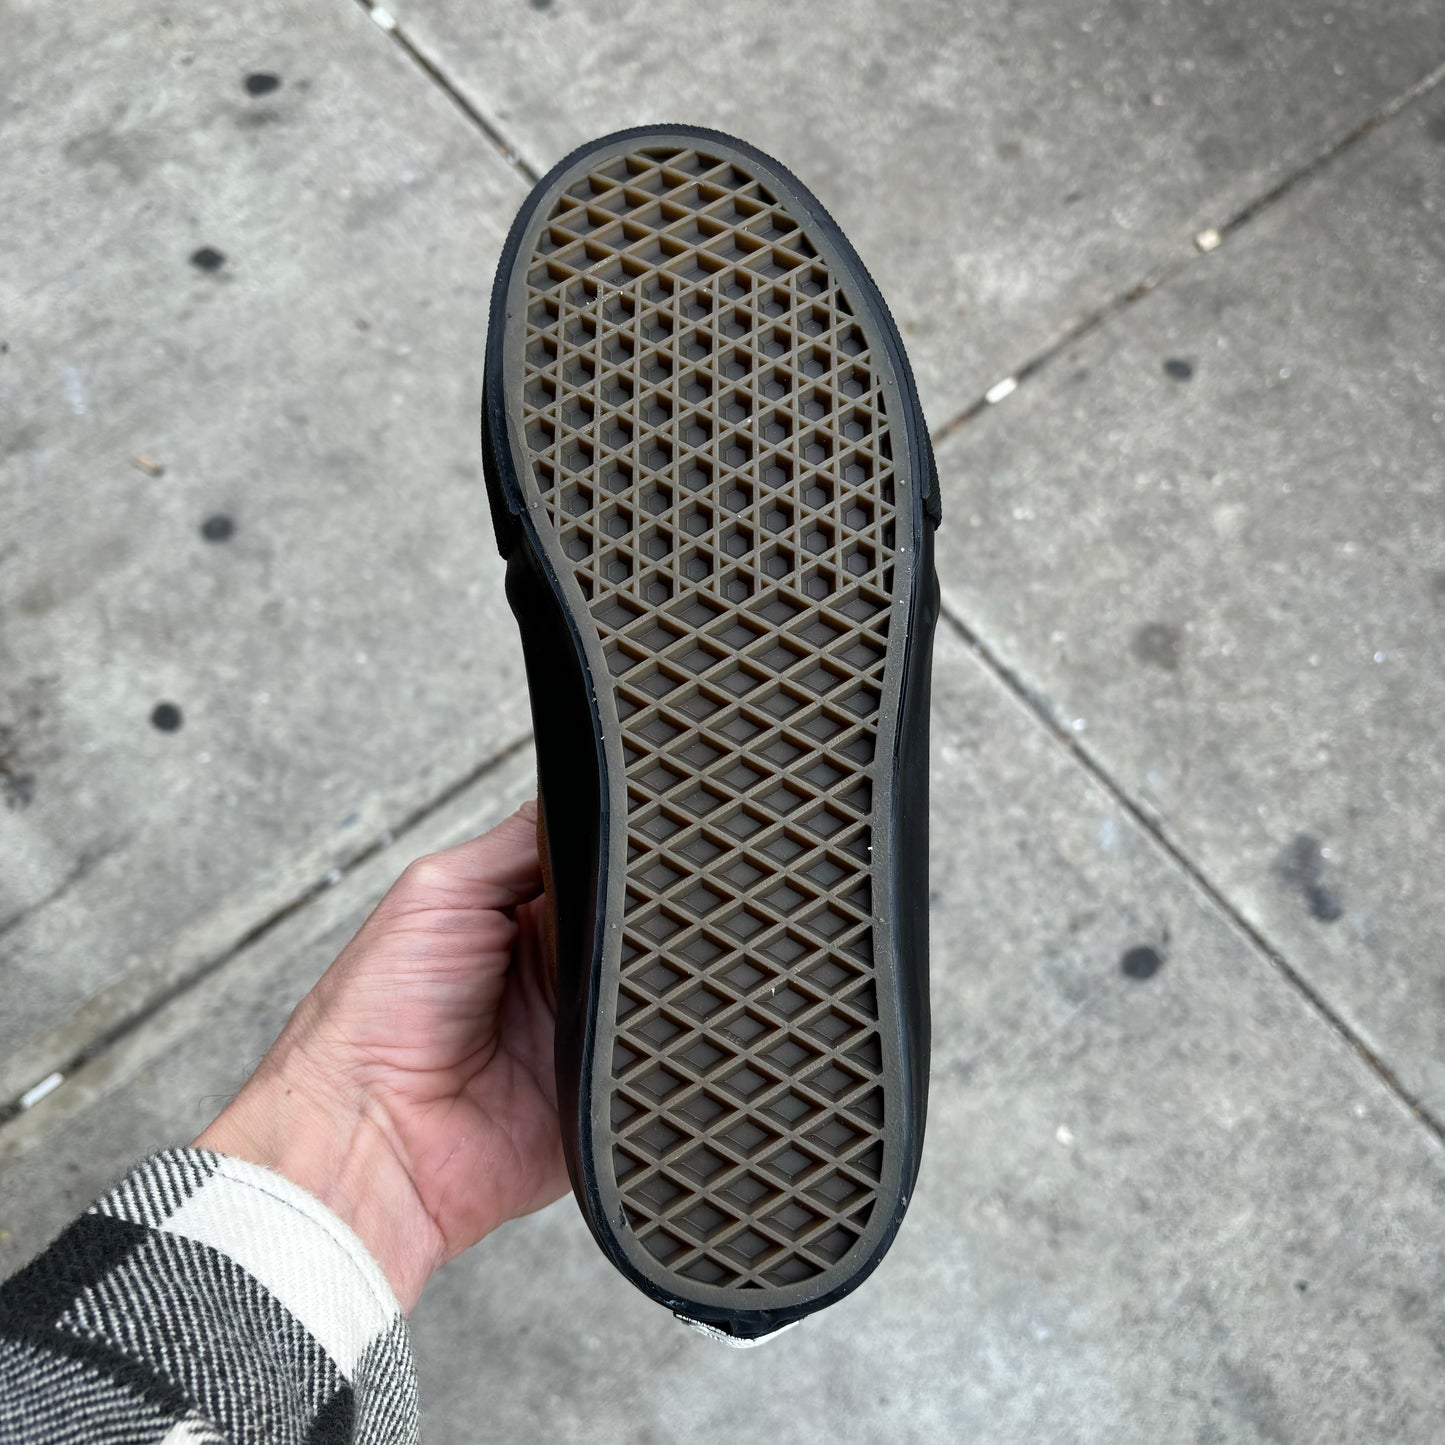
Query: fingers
x: 499, y: 869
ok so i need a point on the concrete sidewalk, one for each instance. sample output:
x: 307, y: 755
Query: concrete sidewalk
x: 1185, y: 1176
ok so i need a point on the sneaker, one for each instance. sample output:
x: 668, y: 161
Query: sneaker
x: 714, y: 489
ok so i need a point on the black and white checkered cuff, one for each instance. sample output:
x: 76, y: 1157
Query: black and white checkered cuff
x: 205, y: 1298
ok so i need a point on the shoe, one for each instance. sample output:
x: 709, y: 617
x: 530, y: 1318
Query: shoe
x: 714, y: 490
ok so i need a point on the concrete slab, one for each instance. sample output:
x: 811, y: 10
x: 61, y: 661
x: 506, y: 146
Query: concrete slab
x: 252, y: 614
x: 1160, y: 1201
x: 1003, y: 168
x: 1212, y: 537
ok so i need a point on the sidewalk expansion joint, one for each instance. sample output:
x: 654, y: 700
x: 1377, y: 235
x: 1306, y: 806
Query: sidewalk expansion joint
x: 386, y: 21
x: 1154, y: 829
x: 155, y: 1003
x: 1205, y: 243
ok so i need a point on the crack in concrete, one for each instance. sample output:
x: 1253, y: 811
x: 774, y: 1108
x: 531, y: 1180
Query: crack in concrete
x: 85, y: 864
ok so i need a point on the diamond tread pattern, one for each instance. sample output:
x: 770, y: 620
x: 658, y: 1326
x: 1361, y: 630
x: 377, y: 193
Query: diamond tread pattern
x: 711, y: 447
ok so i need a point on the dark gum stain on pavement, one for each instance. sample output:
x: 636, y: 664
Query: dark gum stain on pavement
x: 166, y: 717
x: 1300, y: 866
x: 1141, y: 961
x: 1176, y: 368
x: 208, y: 259
x: 218, y: 528
x: 260, y: 85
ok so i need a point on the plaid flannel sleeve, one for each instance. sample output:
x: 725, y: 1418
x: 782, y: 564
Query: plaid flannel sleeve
x: 204, y: 1299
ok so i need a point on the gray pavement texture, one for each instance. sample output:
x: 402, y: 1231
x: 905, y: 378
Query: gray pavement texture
x: 1185, y: 1177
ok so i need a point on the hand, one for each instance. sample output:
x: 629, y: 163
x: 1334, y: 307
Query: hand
x: 413, y: 1090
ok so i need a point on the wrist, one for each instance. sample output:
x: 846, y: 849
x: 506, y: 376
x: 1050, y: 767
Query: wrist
x: 336, y: 1148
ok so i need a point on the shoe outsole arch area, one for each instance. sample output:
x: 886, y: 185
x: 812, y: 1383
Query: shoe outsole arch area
x: 703, y: 429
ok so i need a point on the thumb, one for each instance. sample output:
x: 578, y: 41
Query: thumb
x: 497, y: 870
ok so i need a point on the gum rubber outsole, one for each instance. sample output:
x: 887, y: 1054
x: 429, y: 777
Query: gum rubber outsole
x: 701, y: 426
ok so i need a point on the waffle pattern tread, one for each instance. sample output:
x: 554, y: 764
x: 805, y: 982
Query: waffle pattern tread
x: 710, y: 446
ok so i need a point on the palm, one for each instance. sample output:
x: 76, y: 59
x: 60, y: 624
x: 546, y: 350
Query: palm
x: 442, y: 1008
